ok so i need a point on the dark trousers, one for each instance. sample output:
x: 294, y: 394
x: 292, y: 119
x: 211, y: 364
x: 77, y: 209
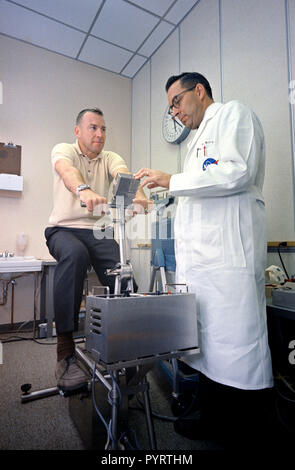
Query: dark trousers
x: 233, y: 417
x: 235, y: 414
x: 76, y: 250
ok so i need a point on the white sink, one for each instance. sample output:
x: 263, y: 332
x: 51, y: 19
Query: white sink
x: 19, y: 264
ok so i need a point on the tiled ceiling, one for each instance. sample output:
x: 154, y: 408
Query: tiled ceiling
x: 117, y: 35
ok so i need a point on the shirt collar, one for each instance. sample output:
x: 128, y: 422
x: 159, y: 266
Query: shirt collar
x: 211, y: 111
x: 77, y: 148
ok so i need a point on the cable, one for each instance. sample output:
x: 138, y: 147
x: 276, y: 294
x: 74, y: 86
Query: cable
x: 106, y: 425
x: 281, y: 419
x: 285, y: 382
x: 284, y: 420
x: 282, y: 379
x: 44, y: 344
x: 125, y: 440
x: 123, y: 435
x: 13, y: 332
x: 156, y: 415
x: 22, y: 338
x: 283, y: 244
x: 109, y: 434
x: 284, y: 397
x: 117, y: 387
x: 135, y: 438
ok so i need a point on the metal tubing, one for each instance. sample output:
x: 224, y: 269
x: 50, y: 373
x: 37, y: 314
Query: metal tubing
x: 163, y: 279
x: 49, y: 299
x: 118, y: 285
x: 35, y: 299
x: 148, y: 416
x: 152, y: 281
x: 89, y: 363
x: 115, y: 407
x: 175, y: 387
x: 121, y: 234
x: 48, y: 392
x: 12, y: 305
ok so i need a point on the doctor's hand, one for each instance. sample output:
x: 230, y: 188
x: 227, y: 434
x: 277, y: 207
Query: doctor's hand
x: 154, y: 178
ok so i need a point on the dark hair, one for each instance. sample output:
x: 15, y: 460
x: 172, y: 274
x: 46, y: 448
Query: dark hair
x: 88, y: 110
x: 189, y: 79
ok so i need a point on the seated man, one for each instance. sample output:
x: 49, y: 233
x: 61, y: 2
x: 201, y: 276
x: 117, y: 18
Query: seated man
x: 83, y: 172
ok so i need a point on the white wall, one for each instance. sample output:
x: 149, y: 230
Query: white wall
x: 254, y: 37
x: 200, y: 48
x: 43, y: 93
x: 241, y: 47
x: 140, y: 121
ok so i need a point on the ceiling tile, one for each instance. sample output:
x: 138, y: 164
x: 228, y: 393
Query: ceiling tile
x: 123, y: 24
x: 134, y: 65
x: 156, y: 38
x: 23, y: 24
x: 104, y: 55
x: 73, y: 12
x: 179, y: 10
x: 155, y: 6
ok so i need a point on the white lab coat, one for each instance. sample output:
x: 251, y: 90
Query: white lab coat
x: 220, y: 245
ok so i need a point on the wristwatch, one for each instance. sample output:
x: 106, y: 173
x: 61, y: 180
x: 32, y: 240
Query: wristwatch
x: 81, y: 187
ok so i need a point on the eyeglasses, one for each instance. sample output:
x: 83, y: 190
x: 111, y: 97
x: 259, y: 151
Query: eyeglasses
x: 177, y: 99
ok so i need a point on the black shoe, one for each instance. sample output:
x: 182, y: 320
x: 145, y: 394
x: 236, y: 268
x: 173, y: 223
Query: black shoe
x: 191, y: 426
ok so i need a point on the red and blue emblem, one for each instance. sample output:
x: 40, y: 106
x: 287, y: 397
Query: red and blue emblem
x: 209, y: 161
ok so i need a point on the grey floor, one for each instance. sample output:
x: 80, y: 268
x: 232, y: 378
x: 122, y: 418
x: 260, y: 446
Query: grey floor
x: 43, y: 424
x: 47, y: 425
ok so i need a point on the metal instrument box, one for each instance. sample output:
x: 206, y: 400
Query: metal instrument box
x: 124, y: 190
x: 140, y: 326
x: 283, y: 297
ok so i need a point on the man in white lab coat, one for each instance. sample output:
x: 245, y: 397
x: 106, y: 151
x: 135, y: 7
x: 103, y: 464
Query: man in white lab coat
x: 220, y: 243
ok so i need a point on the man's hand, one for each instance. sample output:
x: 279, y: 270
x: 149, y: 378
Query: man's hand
x: 93, y: 200
x: 154, y: 178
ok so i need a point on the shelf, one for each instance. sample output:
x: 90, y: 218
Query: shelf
x: 272, y: 247
x: 11, y: 182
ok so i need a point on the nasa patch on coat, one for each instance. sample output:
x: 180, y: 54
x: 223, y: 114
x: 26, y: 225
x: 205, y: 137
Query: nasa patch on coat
x: 209, y: 161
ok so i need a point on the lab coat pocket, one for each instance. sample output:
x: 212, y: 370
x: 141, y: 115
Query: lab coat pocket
x: 208, y: 247
x: 202, y: 236
x: 236, y: 220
